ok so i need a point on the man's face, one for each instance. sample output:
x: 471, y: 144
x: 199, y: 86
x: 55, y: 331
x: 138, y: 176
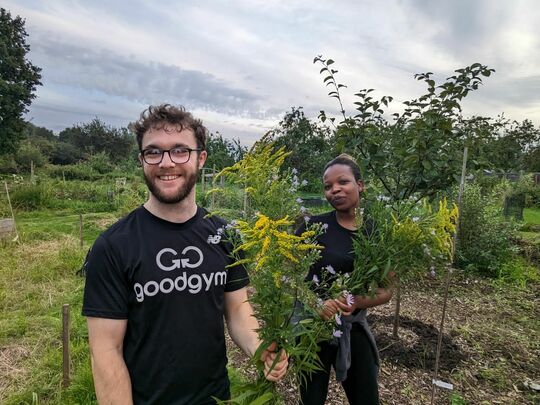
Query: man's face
x: 171, y: 182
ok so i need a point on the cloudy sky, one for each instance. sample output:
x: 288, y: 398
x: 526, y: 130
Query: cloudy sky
x: 241, y: 64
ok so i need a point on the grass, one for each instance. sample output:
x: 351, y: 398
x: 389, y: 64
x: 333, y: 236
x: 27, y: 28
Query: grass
x: 38, y: 276
x: 531, y: 216
x: 49, y: 225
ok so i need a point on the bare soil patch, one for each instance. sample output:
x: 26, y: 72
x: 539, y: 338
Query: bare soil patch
x: 490, y: 350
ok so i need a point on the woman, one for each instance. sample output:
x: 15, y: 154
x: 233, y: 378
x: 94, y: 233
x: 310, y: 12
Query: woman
x: 354, y: 354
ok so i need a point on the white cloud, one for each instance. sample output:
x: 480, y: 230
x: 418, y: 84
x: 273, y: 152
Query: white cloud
x: 244, y: 63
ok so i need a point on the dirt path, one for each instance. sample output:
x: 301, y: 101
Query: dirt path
x: 491, y: 351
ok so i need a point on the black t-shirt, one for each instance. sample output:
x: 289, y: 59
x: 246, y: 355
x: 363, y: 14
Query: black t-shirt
x: 168, y: 280
x: 337, y: 253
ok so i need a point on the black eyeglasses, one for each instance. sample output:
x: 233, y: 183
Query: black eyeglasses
x: 154, y: 156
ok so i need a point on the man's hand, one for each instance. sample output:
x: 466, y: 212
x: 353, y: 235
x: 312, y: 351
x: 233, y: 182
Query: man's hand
x: 274, y: 372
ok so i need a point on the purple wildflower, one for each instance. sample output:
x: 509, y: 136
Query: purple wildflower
x: 330, y: 269
x: 337, y: 333
x: 338, y: 319
x: 315, y: 279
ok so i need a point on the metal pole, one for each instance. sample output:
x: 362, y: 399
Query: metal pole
x: 448, y: 276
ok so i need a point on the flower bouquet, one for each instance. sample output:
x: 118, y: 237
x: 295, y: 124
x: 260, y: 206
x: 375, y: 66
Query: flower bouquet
x: 277, y: 261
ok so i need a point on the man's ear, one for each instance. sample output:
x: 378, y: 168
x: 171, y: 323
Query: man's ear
x: 202, y: 158
x: 139, y: 156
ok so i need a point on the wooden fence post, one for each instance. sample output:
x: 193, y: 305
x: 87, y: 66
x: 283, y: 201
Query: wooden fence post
x: 12, y: 214
x: 32, y: 175
x: 65, y: 346
x: 81, y: 230
x: 203, y: 179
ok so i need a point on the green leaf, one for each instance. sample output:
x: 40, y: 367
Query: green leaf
x: 262, y: 399
x: 329, y: 62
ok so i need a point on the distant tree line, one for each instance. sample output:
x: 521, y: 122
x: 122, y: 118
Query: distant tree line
x: 418, y: 150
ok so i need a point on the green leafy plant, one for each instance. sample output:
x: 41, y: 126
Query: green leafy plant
x: 485, y: 237
x: 277, y: 261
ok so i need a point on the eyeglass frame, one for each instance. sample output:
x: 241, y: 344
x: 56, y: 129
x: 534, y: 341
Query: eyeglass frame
x: 169, y: 153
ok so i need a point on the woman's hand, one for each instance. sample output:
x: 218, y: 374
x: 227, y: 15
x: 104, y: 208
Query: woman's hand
x: 329, y: 309
x: 345, y: 304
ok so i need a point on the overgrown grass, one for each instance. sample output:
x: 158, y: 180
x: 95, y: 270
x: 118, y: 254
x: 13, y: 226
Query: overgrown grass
x: 36, y: 279
x: 531, y: 216
x: 38, y: 276
x: 50, y: 225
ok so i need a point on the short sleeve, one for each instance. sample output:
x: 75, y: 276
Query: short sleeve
x: 106, y: 289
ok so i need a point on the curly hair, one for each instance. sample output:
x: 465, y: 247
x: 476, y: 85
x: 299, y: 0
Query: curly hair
x: 347, y: 160
x: 166, y: 115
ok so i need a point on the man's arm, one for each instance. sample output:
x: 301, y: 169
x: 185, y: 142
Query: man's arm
x: 243, y: 325
x: 111, y: 376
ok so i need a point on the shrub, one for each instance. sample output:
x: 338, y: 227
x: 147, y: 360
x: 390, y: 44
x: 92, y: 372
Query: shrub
x: 100, y: 163
x: 78, y: 171
x: 130, y: 197
x: 485, y: 237
x: 7, y: 164
x: 28, y: 153
x: 526, y: 186
x: 31, y: 197
x: 65, y: 154
x: 516, y: 270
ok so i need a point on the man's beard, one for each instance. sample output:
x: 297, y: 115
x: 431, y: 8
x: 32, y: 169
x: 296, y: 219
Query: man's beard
x: 183, y: 192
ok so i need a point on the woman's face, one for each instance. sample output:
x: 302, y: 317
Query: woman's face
x: 341, y: 189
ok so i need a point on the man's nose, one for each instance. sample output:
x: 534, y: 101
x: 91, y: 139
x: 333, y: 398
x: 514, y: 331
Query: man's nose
x: 166, y: 161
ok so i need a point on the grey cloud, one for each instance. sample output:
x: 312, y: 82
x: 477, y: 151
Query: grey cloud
x: 518, y: 92
x: 143, y: 82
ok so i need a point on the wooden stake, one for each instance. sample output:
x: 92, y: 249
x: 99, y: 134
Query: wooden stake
x: 203, y: 179
x: 65, y: 346
x: 448, y: 276
x: 12, y: 214
x: 81, y: 230
x: 32, y: 178
x: 213, y: 202
x: 397, y: 308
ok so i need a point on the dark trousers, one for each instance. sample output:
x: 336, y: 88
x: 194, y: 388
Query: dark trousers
x: 361, y: 383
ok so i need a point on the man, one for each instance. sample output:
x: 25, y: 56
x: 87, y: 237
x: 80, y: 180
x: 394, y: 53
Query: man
x: 158, y: 285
